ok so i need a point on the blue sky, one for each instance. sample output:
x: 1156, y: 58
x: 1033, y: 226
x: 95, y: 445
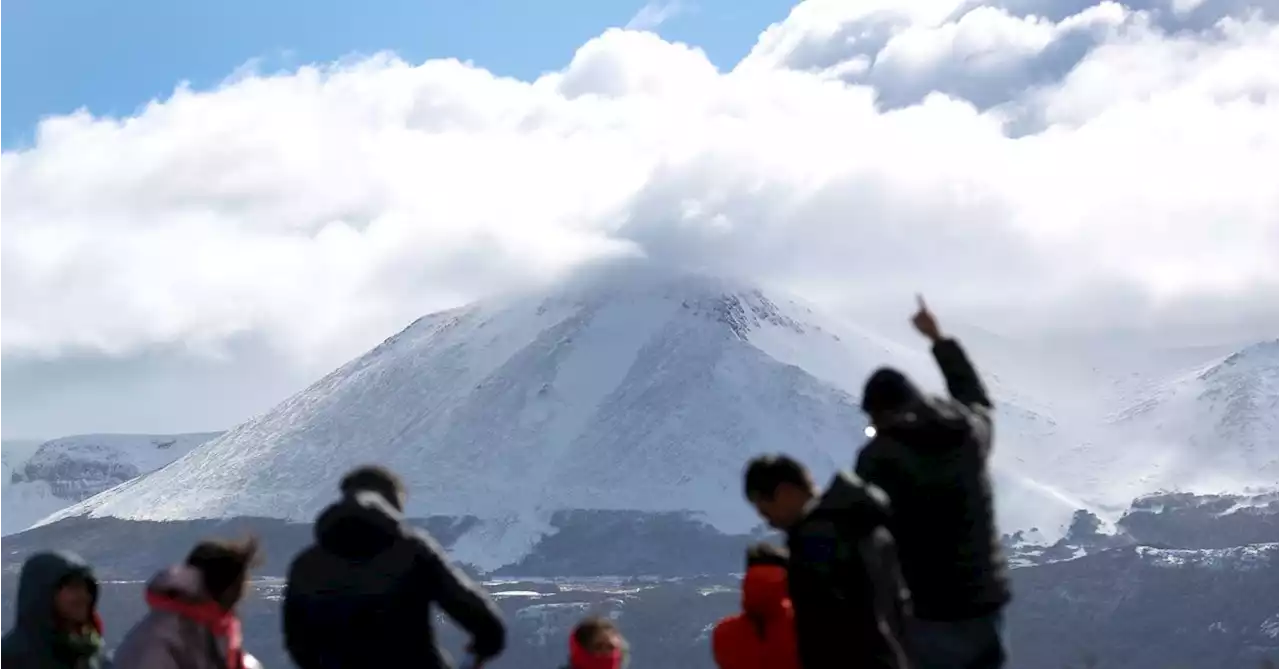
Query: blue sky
x: 113, y: 57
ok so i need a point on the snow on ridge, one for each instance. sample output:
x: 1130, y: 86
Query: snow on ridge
x: 522, y: 594
x: 1222, y: 503
x: 636, y: 391
x: 1251, y: 556
x: 96, y: 462
x: 578, y: 347
x: 1271, y: 626
x: 1208, y: 429
x: 64, y: 471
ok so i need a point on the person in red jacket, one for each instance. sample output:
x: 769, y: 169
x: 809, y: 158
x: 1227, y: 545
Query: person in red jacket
x: 763, y: 636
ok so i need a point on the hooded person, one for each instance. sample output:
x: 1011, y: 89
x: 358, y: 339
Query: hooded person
x: 57, y: 619
x: 763, y: 636
x: 847, y: 592
x: 929, y: 454
x: 596, y: 643
x: 363, y: 595
x: 192, y: 622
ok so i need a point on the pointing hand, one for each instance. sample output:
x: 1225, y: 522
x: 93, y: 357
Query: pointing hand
x: 924, y: 322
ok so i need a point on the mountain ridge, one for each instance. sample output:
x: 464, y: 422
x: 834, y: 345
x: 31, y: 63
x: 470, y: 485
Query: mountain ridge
x: 640, y: 392
x: 626, y: 390
x: 61, y: 472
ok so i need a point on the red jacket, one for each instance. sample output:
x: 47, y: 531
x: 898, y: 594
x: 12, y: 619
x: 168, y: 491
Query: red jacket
x: 763, y: 636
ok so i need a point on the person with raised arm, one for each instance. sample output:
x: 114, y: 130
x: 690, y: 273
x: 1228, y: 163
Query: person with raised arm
x: 930, y: 455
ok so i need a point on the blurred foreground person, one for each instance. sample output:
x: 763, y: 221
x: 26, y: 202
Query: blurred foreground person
x: 763, y: 636
x: 362, y: 595
x: 596, y: 643
x: 57, y: 619
x: 929, y: 454
x: 846, y: 590
x: 192, y: 623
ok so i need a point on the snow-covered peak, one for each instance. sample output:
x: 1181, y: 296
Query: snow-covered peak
x: 82, y: 466
x: 641, y: 392
x: 1213, y: 427
x: 1248, y: 364
x: 1260, y: 499
x: 64, y: 471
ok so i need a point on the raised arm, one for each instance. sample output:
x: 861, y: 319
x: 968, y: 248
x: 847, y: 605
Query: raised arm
x: 464, y: 601
x: 962, y: 379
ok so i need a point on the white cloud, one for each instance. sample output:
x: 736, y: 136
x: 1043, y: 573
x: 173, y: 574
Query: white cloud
x: 654, y: 14
x: 1130, y: 175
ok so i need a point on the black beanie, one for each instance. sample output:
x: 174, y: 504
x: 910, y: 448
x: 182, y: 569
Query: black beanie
x: 888, y: 390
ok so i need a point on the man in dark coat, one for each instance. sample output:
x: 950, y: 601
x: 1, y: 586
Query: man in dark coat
x: 362, y: 595
x: 929, y: 454
x: 57, y: 623
x: 846, y: 590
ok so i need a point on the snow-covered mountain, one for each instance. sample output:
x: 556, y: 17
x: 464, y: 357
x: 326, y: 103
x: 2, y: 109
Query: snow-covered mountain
x: 1213, y: 427
x: 633, y: 390
x: 1129, y: 419
x: 55, y: 474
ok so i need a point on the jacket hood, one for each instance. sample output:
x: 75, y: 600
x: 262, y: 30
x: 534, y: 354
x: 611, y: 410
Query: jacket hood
x: 359, y: 526
x: 41, y: 575
x: 850, y: 497
x: 764, y: 590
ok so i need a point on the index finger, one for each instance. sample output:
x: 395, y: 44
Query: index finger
x: 920, y: 302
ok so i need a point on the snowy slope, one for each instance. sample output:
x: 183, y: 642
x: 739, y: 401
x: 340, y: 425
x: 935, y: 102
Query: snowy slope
x: 62, y: 472
x: 1211, y: 429
x: 1120, y: 419
x: 636, y: 390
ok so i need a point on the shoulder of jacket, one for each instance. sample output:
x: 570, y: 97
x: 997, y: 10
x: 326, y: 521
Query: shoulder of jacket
x: 304, y: 556
x: 819, y: 524
x: 421, y: 541
x: 158, y: 622
x: 816, y: 542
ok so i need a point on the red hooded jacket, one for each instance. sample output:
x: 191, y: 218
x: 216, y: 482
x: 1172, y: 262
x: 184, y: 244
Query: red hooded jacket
x: 763, y: 636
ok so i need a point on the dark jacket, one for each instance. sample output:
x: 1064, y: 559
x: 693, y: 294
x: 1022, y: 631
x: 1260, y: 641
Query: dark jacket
x: 34, y: 642
x: 362, y: 595
x: 931, y: 459
x: 848, y: 595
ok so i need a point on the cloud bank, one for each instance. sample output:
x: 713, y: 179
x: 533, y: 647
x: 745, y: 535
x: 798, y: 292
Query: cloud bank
x: 1042, y: 165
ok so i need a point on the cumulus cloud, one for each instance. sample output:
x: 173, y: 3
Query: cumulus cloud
x: 1096, y: 164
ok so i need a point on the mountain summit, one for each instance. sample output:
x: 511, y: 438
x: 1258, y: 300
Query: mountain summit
x: 635, y: 390
x: 1211, y: 428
